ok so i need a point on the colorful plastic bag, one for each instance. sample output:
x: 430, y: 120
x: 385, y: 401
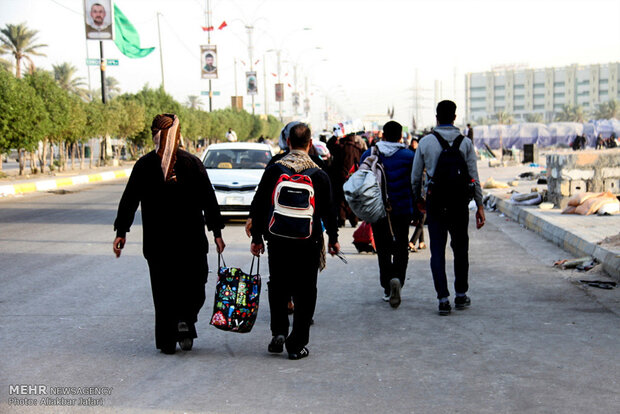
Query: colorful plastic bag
x: 236, y: 298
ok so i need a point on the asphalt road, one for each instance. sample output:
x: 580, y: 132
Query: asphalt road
x: 72, y: 315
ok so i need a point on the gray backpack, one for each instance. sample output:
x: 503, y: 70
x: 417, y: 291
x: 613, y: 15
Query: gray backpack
x: 366, y: 190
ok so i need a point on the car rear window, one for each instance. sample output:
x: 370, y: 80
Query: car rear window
x: 249, y: 159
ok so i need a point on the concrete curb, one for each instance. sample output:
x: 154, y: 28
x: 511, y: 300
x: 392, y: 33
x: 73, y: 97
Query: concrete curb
x: 526, y: 216
x: 47, y: 185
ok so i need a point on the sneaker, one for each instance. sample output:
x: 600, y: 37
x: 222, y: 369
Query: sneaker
x: 304, y: 352
x: 444, y: 308
x: 386, y: 297
x: 395, y: 287
x: 461, y: 302
x: 276, y: 345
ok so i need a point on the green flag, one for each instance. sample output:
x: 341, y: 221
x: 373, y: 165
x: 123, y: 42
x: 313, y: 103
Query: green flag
x: 126, y: 36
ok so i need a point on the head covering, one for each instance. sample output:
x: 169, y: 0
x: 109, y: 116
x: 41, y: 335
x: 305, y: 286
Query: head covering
x: 284, y: 134
x: 167, y: 137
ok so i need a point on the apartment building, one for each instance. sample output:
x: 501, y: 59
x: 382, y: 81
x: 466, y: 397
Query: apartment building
x: 521, y: 91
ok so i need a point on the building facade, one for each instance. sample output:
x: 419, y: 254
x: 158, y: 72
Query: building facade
x: 520, y: 91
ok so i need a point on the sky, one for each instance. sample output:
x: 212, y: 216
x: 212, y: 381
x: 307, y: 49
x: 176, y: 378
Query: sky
x: 358, y: 57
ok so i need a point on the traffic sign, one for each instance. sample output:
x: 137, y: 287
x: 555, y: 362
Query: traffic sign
x: 92, y: 62
x: 206, y: 93
x: 112, y: 62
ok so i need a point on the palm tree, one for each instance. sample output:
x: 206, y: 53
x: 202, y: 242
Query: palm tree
x: 535, y: 117
x: 571, y: 113
x: 193, y: 102
x: 64, y: 74
x: 608, y: 110
x: 18, y: 40
x: 503, y: 118
x: 112, y: 88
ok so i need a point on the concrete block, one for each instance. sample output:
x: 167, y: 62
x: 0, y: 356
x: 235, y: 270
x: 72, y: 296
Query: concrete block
x: 578, y: 174
x: 612, y: 185
x: 577, y: 186
x: 587, y: 158
x: 609, y: 172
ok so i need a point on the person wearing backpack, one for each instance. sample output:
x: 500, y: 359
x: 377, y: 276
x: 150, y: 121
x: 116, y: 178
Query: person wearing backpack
x: 292, y: 201
x: 391, y: 233
x: 450, y: 163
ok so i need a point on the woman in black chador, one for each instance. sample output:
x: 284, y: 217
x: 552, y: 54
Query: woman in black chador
x: 177, y: 201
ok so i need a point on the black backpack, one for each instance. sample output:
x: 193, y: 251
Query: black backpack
x: 451, y: 185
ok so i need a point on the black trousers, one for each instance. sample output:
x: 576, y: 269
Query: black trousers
x: 418, y: 233
x: 178, y: 286
x: 293, y: 271
x: 440, y: 224
x: 393, y: 254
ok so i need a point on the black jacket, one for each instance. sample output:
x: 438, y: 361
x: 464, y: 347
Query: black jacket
x: 323, y: 212
x: 173, y: 213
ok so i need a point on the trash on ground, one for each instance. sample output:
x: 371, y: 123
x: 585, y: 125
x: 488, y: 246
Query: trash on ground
x: 527, y: 175
x: 545, y: 206
x: 601, y: 284
x: 492, y: 183
x: 572, y: 264
x: 526, y: 199
x: 590, y: 203
x: 513, y: 183
x: 542, y: 180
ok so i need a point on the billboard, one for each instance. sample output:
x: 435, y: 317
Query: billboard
x: 279, y: 92
x: 208, y: 61
x: 252, y: 84
x: 99, y: 19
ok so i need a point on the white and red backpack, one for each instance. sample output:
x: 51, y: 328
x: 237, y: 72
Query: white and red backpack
x: 292, y: 206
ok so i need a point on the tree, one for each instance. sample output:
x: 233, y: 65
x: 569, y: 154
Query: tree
x: 64, y: 74
x: 607, y: 110
x: 155, y: 102
x: 131, y: 124
x: 19, y: 41
x: 193, y: 102
x: 535, y: 117
x: 23, y: 118
x: 571, y: 113
x: 503, y: 118
x: 58, y: 106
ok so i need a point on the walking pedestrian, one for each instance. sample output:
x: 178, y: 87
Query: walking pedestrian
x: 177, y: 199
x: 231, y: 136
x: 419, y: 217
x: 392, y: 232
x: 296, y: 253
x: 452, y: 175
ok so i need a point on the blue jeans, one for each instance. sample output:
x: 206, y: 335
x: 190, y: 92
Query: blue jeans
x: 441, y: 223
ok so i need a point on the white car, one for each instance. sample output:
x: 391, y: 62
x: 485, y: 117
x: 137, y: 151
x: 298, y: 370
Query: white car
x: 235, y: 169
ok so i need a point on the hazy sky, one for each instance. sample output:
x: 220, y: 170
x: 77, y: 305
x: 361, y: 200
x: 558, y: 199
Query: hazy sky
x: 369, y: 50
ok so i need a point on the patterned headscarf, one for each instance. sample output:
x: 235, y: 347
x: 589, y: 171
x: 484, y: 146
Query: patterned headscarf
x: 167, y: 137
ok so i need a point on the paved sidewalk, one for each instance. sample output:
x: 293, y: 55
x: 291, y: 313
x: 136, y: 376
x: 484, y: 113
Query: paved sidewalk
x: 580, y: 235
x: 14, y: 184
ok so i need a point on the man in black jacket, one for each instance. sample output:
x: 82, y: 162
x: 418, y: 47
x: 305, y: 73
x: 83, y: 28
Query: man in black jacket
x: 294, y: 262
x: 177, y: 200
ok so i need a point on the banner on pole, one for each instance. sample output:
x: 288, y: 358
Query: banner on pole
x: 279, y: 92
x: 99, y: 19
x: 208, y: 61
x: 252, y: 85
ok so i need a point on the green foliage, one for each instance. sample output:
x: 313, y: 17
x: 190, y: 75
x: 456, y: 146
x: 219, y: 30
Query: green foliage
x: 23, y: 118
x: 503, y: 118
x: 18, y: 41
x: 57, y: 104
x: 571, y: 113
x: 535, y: 117
x: 607, y: 110
x: 64, y: 74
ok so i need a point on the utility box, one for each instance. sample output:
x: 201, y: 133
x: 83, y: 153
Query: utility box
x: 530, y: 153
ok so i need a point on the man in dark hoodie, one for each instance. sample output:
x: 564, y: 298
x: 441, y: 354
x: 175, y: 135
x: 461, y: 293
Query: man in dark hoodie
x: 392, y: 233
x: 452, y: 218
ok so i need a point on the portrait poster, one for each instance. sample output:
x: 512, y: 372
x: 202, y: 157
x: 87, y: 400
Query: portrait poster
x: 251, y: 82
x: 99, y: 19
x: 208, y: 61
x: 279, y: 92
